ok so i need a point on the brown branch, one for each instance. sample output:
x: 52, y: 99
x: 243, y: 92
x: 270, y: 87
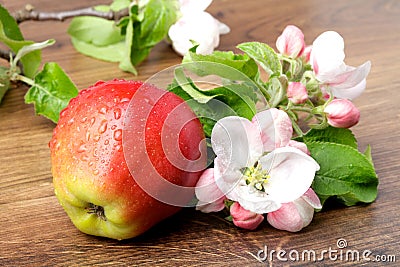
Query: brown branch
x: 29, y: 13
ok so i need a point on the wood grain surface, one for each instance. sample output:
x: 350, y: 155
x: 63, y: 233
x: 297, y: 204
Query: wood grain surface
x: 35, y: 231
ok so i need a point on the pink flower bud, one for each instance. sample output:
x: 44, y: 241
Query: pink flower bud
x: 297, y: 92
x: 342, y: 113
x: 296, y: 215
x: 245, y: 219
x: 307, y: 53
x: 291, y: 42
x: 210, y: 197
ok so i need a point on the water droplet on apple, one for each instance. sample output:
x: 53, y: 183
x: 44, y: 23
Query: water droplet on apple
x: 118, y: 135
x: 125, y: 99
x: 117, y: 113
x: 92, y: 121
x: 103, y: 126
x: 87, y: 136
x: 82, y: 148
x: 103, y: 110
x: 84, y: 119
x: 118, y: 148
x: 95, y: 171
x: 96, y: 138
x: 106, y: 142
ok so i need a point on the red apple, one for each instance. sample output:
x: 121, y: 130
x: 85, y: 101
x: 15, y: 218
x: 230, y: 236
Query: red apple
x: 103, y: 193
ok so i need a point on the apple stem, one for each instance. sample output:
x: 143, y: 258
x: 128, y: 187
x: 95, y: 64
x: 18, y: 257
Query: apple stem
x: 98, y: 210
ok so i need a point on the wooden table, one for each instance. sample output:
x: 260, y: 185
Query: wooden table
x: 35, y: 231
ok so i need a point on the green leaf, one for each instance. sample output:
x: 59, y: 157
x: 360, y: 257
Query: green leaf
x: 11, y: 36
x: 264, y: 55
x: 211, y: 105
x: 126, y: 63
x: 241, y: 65
x: 32, y: 47
x: 4, y: 82
x: 10, y: 26
x: 344, y: 172
x: 150, y: 26
x: 117, y: 5
x: 330, y: 134
x: 51, y: 92
x: 368, y: 155
x: 187, y: 85
x: 96, y: 31
x: 110, y: 53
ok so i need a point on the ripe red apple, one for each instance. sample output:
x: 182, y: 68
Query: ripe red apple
x: 95, y: 183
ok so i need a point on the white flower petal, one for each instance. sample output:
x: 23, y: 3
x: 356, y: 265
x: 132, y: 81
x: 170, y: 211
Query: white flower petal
x: 236, y: 143
x: 350, y: 93
x: 255, y: 201
x: 327, y: 55
x: 223, y: 28
x: 291, y: 173
x: 275, y: 127
x: 200, y: 27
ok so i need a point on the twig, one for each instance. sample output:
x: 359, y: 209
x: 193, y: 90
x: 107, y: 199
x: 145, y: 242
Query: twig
x: 28, y: 13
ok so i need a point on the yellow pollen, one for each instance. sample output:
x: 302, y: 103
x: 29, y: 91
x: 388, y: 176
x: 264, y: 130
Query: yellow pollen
x: 256, y: 177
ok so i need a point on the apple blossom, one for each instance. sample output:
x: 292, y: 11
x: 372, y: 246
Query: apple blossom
x: 198, y: 26
x: 210, y: 197
x: 297, y: 92
x: 291, y: 42
x: 342, y: 113
x: 296, y: 215
x: 243, y: 218
x: 299, y: 145
x: 275, y: 128
x: 327, y: 60
x: 245, y: 172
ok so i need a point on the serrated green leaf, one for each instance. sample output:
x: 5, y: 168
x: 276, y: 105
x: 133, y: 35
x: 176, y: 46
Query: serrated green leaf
x: 263, y: 55
x: 331, y: 135
x: 344, y: 172
x: 51, y: 92
x: 11, y: 36
x: 4, y: 82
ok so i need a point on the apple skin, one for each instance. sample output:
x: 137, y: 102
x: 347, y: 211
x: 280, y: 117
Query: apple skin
x: 91, y: 178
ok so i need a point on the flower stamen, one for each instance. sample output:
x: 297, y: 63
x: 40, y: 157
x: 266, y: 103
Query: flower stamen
x: 256, y: 177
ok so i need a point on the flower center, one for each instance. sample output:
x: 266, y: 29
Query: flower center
x: 256, y: 177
